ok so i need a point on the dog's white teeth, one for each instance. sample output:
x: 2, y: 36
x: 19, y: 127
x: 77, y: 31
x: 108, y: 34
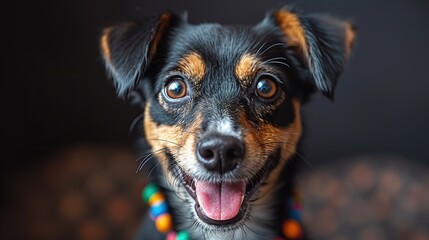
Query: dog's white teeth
x: 242, y: 200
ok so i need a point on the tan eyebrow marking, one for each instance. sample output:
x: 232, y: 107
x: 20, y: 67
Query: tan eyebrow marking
x: 193, y: 66
x: 246, y: 68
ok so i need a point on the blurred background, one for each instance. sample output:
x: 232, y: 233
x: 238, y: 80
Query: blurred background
x: 67, y: 166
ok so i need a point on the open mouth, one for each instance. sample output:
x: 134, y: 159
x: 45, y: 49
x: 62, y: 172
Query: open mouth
x: 220, y: 203
x: 224, y: 203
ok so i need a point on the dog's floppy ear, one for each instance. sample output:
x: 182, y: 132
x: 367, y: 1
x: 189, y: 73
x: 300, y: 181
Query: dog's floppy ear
x: 321, y: 43
x: 128, y: 49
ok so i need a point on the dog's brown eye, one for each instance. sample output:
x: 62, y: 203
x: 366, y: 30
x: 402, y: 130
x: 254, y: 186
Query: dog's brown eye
x: 266, y: 88
x: 176, y: 88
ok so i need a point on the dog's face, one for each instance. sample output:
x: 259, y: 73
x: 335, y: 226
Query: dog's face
x: 223, y: 103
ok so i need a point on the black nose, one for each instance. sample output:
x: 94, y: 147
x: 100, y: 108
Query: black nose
x: 220, y: 153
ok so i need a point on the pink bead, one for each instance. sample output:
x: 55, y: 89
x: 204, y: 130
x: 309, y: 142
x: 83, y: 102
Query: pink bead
x: 171, y: 236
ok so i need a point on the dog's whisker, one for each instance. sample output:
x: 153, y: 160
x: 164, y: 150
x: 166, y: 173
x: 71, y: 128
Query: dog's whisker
x: 155, y: 167
x: 275, y: 59
x: 277, y: 62
x: 164, y: 140
x: 295, y: 153
x: 148, y: 152
x: 260, y: 48
x: 304, y: 159
x: 135, y: 122
x: 143, y: 162
x: 146, y: 158
x: 268, y: 48
x: 144, y: 154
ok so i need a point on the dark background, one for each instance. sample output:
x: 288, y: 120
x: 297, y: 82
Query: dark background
x: 55, y: 92
x: 67, y: 170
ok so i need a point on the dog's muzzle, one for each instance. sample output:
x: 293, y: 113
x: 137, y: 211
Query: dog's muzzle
x: 222, y: 202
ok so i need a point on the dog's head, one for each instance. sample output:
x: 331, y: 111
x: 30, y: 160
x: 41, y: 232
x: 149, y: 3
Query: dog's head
x: 223, y: 103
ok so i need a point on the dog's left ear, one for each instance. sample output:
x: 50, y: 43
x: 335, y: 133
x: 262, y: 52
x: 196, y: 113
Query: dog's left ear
x: 321, y: 43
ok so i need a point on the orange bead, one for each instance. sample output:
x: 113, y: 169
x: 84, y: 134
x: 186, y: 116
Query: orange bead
x: 164, y: 223
x: 156, y: 198
x: 292, y: 229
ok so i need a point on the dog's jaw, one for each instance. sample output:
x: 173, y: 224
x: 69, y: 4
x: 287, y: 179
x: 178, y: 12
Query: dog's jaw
x: 255, y: 219
x: 252, y: 225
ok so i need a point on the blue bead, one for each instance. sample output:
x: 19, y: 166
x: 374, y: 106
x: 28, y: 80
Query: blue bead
x: 296, y: 215
x: 159, y: 209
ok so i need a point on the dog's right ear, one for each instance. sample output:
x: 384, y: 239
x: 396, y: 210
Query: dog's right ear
x: 128, y: 49
x: 322, y: 44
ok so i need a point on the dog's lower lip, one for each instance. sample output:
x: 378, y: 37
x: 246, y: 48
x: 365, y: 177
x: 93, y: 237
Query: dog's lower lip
x: 231, y: 221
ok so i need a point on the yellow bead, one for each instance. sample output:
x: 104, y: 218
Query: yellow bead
x: 164, y: 223
x: 292, y: 229
x: 156, y: 198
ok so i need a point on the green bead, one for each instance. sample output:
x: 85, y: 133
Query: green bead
x: 148, y: 191
x: 182, y: 235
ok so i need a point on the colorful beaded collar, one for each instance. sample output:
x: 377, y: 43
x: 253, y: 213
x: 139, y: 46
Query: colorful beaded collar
x: 291, y: 228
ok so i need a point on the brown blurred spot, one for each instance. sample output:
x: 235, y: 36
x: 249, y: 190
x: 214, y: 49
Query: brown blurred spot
x: 390, y: 182
x: 45, y: 229
x: 371, y: 233
x: 99, y: 185
x: 118, y: 210
x: 362, y: 177
x: 72, y: 206
x: 325, y: 222
x: 92, y: 229
x: 419, y: 235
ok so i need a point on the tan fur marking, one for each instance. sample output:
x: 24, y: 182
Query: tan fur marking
x: 180, y: 143
x: 247, y: 68
x: 267, y: 138
x: 350, y: 38
x: 291, y: 27
x: 164, y: 22
x: 193, y: 66
x: 161, y: 137
x: 290, y: 137
x: 105, y: 44
x: 268, y: 134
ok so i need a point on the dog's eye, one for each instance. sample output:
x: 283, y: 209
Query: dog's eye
x: 176, y: 88
x: 266, y: 88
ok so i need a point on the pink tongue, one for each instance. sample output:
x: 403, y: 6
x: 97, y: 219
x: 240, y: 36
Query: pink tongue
x: 220, y: 201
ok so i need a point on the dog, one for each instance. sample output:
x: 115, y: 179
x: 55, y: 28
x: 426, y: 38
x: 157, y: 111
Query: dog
x: 222, y: 112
